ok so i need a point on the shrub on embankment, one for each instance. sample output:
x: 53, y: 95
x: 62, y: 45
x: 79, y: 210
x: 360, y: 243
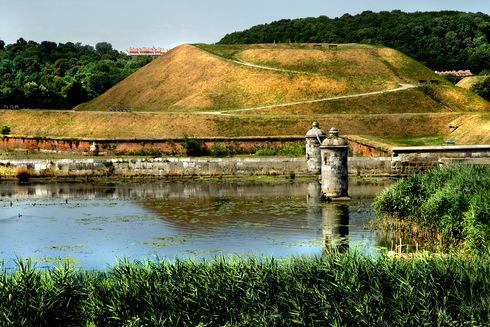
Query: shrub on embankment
x: 335, y: 289
x: 454, y: 201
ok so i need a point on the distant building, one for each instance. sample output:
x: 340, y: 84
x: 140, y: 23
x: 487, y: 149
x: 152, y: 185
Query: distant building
x: 153, y: 52
x: 462, y: 73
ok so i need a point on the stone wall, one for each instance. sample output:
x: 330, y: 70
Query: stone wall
x: 158, y: 167
x: 183, y: 167
x: 408, y: 160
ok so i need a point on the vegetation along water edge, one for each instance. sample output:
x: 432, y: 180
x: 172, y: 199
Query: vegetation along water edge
x: 332, y: 290
x: 450, y: 205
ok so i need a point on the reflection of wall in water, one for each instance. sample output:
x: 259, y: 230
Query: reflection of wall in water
x: 335, y: 226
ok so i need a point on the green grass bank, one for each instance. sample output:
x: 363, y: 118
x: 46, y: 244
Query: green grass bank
x: 332, y: 290
x: 450, y: 203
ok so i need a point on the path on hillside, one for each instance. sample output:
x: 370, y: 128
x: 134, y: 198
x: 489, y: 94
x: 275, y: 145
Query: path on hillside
x: 402, y: 87
x: 282, y: 70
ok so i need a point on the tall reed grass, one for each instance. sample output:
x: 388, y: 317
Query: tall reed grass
x: 454, y: 201
x: 332, y: 290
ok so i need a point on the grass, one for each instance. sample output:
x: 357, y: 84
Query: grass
x: 201, y: 77
x: 294, y: 150
x: 165, y: 125
x: 332, y: 290
x: 451, y: 202
x: 406, y: 140
x: 470, y: 81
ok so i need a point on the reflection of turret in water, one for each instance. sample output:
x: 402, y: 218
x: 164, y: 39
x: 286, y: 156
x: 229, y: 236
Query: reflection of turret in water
x: 335, y: 227
x: 314, y: 204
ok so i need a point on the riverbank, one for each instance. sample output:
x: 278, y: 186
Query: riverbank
x: 449, y: 206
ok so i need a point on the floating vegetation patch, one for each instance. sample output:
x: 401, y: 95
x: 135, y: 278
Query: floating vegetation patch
x: 66, y: 247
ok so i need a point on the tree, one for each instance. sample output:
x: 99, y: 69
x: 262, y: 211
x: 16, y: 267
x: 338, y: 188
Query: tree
x: 103, y: 47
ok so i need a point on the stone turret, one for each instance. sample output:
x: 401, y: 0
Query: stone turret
x: 334, y: 153
x: 314, y: 138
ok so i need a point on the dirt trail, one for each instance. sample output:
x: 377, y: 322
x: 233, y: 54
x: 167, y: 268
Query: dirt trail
x: 403, y: 86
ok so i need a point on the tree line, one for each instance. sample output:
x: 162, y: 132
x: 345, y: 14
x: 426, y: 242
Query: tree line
x: 445, y: 40
x: 59, y: 75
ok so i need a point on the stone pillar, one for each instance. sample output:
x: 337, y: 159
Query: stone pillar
x: 314, y: 139
x: 334, y: 153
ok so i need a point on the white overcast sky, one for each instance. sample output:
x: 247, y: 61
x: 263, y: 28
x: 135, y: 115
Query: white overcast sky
x: 166, y: 23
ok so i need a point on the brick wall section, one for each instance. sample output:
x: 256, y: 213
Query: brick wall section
x: 165, y: 146
x: 408, y: 160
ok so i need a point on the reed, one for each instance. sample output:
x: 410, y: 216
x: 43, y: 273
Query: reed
x: 452, y: 202
x: 334, y: 289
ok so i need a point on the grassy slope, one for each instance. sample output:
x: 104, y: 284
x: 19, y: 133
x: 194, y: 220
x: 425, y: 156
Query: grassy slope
x: 469, y: 82
x: 161, y: 125
x: 193, y: 78
x: 472, y: 129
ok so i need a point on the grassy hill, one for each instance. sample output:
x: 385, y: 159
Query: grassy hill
x: 213, y: 78
x: 271, y: 90
x: 470, y: 81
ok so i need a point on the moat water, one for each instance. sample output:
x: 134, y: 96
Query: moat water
x: 94, y: 225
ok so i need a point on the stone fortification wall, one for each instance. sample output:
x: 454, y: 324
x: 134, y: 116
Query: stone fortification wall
x: 183, y: 167
x: 408, y: 160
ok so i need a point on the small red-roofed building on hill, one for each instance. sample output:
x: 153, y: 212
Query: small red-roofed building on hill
x: 152, y: 52
x: 461, y: 73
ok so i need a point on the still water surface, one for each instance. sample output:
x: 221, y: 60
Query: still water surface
x: 93, y: 225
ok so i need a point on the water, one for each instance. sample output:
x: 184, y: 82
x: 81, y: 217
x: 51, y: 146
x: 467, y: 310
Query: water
x: 94, y: 225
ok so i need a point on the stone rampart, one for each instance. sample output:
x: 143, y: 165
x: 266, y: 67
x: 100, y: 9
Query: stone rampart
x: 408, y: 160
x: 183, y: 167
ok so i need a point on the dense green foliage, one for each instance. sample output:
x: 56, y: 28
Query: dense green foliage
x: 332, y: 290
x: 295, y: 150
x: 5, y: 129
x: 454, y: 200
x: 50, y: 75
x: 443, y: 40
x: 195, y: 147
x: 483, y: 88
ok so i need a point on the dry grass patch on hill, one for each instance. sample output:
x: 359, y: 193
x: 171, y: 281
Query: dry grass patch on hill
x: 188, y: 78
x: 203, y: 78
x: 170, y: 125
x: 470, y: 81
x: 473, y: 129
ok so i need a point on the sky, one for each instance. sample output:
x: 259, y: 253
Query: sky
x: 167, y: 23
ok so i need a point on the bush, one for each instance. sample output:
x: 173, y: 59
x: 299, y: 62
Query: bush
x: 453, y: 200
x: 23, y: 175
x: 195, y: 147
x: 5, y: 129
x: 483, y: 88
x: 220, y: 151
